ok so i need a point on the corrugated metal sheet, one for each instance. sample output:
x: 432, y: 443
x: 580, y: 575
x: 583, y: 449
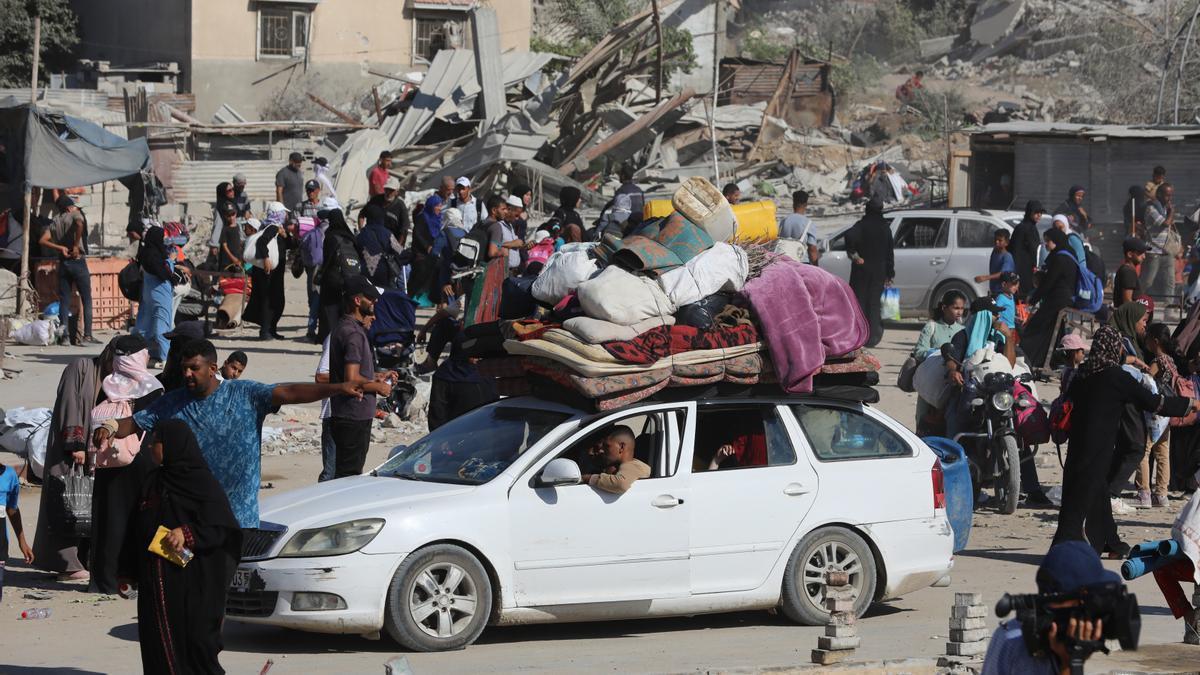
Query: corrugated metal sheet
x: 89, y: 97
x: 1089, y: 130
x: 197, y: 181
x: 1045, y: 169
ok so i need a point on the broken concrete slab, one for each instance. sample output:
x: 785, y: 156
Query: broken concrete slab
x: 935, y: 48
x: 488, y: 66
x: 995, y: 19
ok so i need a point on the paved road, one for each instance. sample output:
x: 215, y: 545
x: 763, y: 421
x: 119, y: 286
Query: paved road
x: 88, y: 635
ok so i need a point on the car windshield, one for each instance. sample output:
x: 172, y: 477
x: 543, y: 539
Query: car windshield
x: 474, y: 448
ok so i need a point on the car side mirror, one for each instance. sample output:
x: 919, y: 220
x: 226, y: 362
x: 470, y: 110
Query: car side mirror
x: 559, y: 472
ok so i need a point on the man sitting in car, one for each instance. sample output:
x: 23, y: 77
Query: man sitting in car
x: 621, y: 469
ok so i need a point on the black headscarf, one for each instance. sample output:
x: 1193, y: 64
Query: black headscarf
x: 457, y: 368
x: 1108, y: 351
x: 568, y: 197
x: 1031, y: 207
x: 222, y: 199
x: 195, y: 495
x: 1061, y: 242
x: 337, y: 223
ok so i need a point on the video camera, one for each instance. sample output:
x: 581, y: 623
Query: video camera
x: 1110, y: 602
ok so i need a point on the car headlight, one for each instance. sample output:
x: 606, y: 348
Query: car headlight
x: 1002, y: 400
x: 337, y: 539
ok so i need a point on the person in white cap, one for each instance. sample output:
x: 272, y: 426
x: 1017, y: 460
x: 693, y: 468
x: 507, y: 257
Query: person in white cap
x: 466, y: 202
x: 502, y: 240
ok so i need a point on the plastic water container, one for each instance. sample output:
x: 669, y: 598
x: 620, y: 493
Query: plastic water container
x: 702, y: 203
x: 960, y: 502
x: 657, y: 208
x: 756, y: 221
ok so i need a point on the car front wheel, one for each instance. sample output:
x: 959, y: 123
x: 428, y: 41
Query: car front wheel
x: 829, y: 549
x: 439, y: 600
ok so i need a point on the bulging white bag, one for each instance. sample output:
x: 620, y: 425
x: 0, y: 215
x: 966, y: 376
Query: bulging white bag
x: 563, y: 273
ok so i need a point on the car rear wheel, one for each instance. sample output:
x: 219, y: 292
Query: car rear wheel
x: 959, y: 286
x: 829, y: 549
x: 439, y: 600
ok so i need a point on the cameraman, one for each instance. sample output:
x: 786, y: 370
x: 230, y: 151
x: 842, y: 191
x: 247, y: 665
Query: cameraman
x: 1066, y: 568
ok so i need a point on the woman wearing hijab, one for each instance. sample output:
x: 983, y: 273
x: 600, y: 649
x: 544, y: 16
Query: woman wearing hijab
x: 340, y: 260
x: 1074, y: 241
x: 869, y: 245
x: 458, y: 387
x: 129, y: 388
x: 266, y: 279
x: 224, y: 197
x: 1023, y: 245
x: 181, y: 609
x: 428, y: 226
x: 1053, y: 294
x: 380, y: 251
x: 566, y: 215
x: 1130, y: 321
x: 155, y: 317
x: 1099, y: 392
x: 55, y: 546
x: 1073, y: 209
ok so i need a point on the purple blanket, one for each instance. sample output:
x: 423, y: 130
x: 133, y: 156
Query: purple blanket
x: 807, y: 315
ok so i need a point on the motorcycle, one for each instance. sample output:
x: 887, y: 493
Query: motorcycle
x: 995, y: 454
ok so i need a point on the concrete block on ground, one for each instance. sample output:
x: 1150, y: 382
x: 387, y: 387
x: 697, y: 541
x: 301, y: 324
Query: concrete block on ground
x: 842, y: 593
x: 839, y: 605
x: 826, y: 657
x: 836, y: 631
x: 837, y: 578
x: 836, y: 643
x: 973, y: 612
x: 973, y: 635
x: 967, y: 648
x: 842, y: 619
x: 967, y: 623
x: 968, y: 599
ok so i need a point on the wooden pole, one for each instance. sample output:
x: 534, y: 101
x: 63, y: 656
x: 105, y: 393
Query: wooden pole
x: 103, y: 208
x: 378, y: 107
x: 658, y: 32
x: 718, y: 50
x: 340, y: 115
x: 23, y: 282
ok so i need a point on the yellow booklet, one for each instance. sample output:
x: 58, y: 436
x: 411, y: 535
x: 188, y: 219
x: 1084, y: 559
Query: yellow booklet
x: 158, y: 548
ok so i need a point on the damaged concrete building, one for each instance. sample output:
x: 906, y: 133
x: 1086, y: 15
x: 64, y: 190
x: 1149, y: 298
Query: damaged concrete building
x: 241, y: 52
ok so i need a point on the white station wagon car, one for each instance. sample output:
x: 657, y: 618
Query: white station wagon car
x: 936, y: 250
x: 484, y: 521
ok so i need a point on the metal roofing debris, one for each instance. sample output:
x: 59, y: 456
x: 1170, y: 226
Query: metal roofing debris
x: 1089, y: 130
x: 488, y: 66
x: 194, y: 182
x: 994, y: 19
x: 227, y: 115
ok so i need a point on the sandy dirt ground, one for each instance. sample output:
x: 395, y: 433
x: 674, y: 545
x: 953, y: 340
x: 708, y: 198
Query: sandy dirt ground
x: 87, y: 633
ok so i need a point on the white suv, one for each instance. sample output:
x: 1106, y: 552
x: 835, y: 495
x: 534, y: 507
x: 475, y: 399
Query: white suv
x: 484, y: 521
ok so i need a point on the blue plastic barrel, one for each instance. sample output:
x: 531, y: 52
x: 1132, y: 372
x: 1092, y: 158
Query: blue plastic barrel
x: 960, y: 500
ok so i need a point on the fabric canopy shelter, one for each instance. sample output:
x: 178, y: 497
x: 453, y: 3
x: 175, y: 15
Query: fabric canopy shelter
x: 51, y: 150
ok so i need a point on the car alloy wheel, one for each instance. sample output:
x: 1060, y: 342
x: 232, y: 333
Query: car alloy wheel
x: 443, y: 600
x: 830, y: 556
x: 829, y: 549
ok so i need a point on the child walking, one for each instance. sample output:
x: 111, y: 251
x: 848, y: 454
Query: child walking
x: 10, y: 489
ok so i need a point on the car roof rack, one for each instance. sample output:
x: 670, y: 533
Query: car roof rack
x: 858, y: 389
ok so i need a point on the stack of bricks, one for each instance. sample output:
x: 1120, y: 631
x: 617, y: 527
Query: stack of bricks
x: 1191, y: 631
x: 968, y: 626
x: 841, y: 630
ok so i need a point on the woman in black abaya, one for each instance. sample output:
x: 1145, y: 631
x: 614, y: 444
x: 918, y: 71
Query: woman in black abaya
x: 869, y: 244
x: 1054, y: 292
x: 180, y: 609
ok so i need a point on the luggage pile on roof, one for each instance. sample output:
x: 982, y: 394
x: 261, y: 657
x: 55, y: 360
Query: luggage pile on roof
x: 682, y: 301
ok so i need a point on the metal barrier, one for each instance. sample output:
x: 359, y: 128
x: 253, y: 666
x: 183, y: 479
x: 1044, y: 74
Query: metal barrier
x: 1083, y: 323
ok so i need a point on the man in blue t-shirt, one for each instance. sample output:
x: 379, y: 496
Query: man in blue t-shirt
x: 226, y: 417
x: 1000, y: 262
x: 10, y: 489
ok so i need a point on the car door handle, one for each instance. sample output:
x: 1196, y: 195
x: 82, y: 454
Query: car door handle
x: 666, y: 501
x: 796, y: 489
x: 934, y: 262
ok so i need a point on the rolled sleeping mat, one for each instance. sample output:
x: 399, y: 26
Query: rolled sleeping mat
x: 1136, y: 567
x: 1168, y: 548
x: 1147, y: 548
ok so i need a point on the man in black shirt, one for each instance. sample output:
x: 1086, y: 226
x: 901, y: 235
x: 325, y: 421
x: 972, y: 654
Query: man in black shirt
x: 1126, y: 285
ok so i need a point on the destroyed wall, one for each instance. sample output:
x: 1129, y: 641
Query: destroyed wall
x: 216, y: 42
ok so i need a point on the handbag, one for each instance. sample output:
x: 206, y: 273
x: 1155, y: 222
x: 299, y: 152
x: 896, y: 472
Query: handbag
x: 77, y: 501
x: 129, y: 281
x: 905, y: 380
x: 1185, y: 387
x: 1174, y: 244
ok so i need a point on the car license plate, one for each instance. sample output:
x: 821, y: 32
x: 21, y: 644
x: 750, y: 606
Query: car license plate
x: 241, y: 581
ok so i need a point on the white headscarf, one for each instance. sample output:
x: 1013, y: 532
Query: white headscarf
x: 1060, y: 218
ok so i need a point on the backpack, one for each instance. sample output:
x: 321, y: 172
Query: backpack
x: 471, y: 249
x: 346, y: 263
x: 312, y: 247
x: 1060, y: 419
x: 129, y: 281
x: 1089, y: 289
